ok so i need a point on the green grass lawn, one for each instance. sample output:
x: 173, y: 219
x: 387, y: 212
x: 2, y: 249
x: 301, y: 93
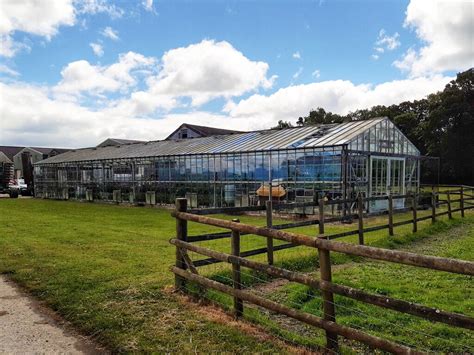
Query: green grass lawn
x: 105, y: 268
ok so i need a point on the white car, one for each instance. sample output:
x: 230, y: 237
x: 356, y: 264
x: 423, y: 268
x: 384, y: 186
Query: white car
x: 18, y: 185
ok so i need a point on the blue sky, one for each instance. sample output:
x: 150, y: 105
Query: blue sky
x: 335, y: 37
x: 240, y: 64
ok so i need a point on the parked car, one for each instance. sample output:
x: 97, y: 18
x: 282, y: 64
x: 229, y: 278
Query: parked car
x: 18, y: 186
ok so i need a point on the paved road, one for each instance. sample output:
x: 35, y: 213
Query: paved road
x: 26, y: 327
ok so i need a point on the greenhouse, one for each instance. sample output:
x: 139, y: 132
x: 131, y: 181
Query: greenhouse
x: 300, y: 164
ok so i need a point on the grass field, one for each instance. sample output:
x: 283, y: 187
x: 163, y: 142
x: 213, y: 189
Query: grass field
x: 106, y: 269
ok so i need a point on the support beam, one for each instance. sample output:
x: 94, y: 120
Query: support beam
x: 269, y: 214
x: 181, y: 234
x: 236, y: 276
x: 329, y: 311
x: 360, y: 216
x: 390, y: 215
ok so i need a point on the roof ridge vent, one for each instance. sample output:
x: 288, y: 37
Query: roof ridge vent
x: 315, y: 135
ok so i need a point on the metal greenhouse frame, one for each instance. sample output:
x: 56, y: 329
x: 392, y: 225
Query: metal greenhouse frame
x: 299, y: 164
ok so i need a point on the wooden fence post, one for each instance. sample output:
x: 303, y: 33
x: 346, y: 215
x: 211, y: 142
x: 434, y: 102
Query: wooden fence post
x: 433, y: 207
x: 414, y: 207
x: 360, y: 203
x: 269, y: 211
x: 448, y: 198
x: 462, y: 201
x: 321, y: 216
x: 237, y: 281
x: 390, y: 215
x: 329, y: 312
x: 181, y: 234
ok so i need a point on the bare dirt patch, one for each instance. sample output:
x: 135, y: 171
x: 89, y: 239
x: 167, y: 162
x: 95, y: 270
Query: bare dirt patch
x: 28, y: 327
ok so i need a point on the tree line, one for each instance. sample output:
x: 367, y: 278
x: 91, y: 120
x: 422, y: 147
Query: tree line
x: 440, y: 125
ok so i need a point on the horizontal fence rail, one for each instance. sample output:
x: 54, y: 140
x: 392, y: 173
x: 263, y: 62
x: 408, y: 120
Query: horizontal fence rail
x: 396, y: 256
x: 220, y: 235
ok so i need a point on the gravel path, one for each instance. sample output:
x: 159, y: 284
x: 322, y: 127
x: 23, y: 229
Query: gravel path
x: 27, y: 327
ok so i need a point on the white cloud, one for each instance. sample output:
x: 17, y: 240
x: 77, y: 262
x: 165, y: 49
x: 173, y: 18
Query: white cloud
x: 339, y: 96
x: 37, y: 17
x: 76, y: 112
x: 208, y: 70
x: 99, y: 6
x: 148, y: 5
x: 97, y: 49
x: 37, y: 118
x: 8, y: 47
x: 8, y: 71
x: 446, y: 28
x: 81, y: 77
x: 316, y: 74
x: 109, y: 32
x: 296, y: 55
x: 42, y: 18
x: 387, y: 42
x: 200, y: 72
x: 297, y: 74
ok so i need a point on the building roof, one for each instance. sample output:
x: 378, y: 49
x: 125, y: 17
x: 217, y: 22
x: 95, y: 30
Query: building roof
x: 297, y: 137
x: 204, y: 131
x: 43, y: 150
x: 11, y: 151
x: 4, y: 158
x: 118, y: 141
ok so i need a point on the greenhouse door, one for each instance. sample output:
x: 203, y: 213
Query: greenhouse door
x: 387, y: 176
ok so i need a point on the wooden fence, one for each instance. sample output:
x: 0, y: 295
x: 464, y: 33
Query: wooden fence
x: 185, y: 270
x: 465, y: 194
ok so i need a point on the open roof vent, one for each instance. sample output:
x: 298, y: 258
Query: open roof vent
x: 318, y: 134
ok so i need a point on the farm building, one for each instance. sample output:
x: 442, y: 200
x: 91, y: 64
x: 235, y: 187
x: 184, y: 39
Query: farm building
x: 6, y: 171
x: 24, y: 157
x: 298, y: 164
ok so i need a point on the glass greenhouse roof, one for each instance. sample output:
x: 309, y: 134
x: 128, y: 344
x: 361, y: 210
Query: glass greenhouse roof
x: 317, y: 136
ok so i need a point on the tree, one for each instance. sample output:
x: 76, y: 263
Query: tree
x: 440, y: 125
x: 450, y: 129
x: 320, y: 116
x: 283, y: 124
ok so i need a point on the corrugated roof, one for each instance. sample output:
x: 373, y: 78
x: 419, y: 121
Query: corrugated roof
x: 297, y: 137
